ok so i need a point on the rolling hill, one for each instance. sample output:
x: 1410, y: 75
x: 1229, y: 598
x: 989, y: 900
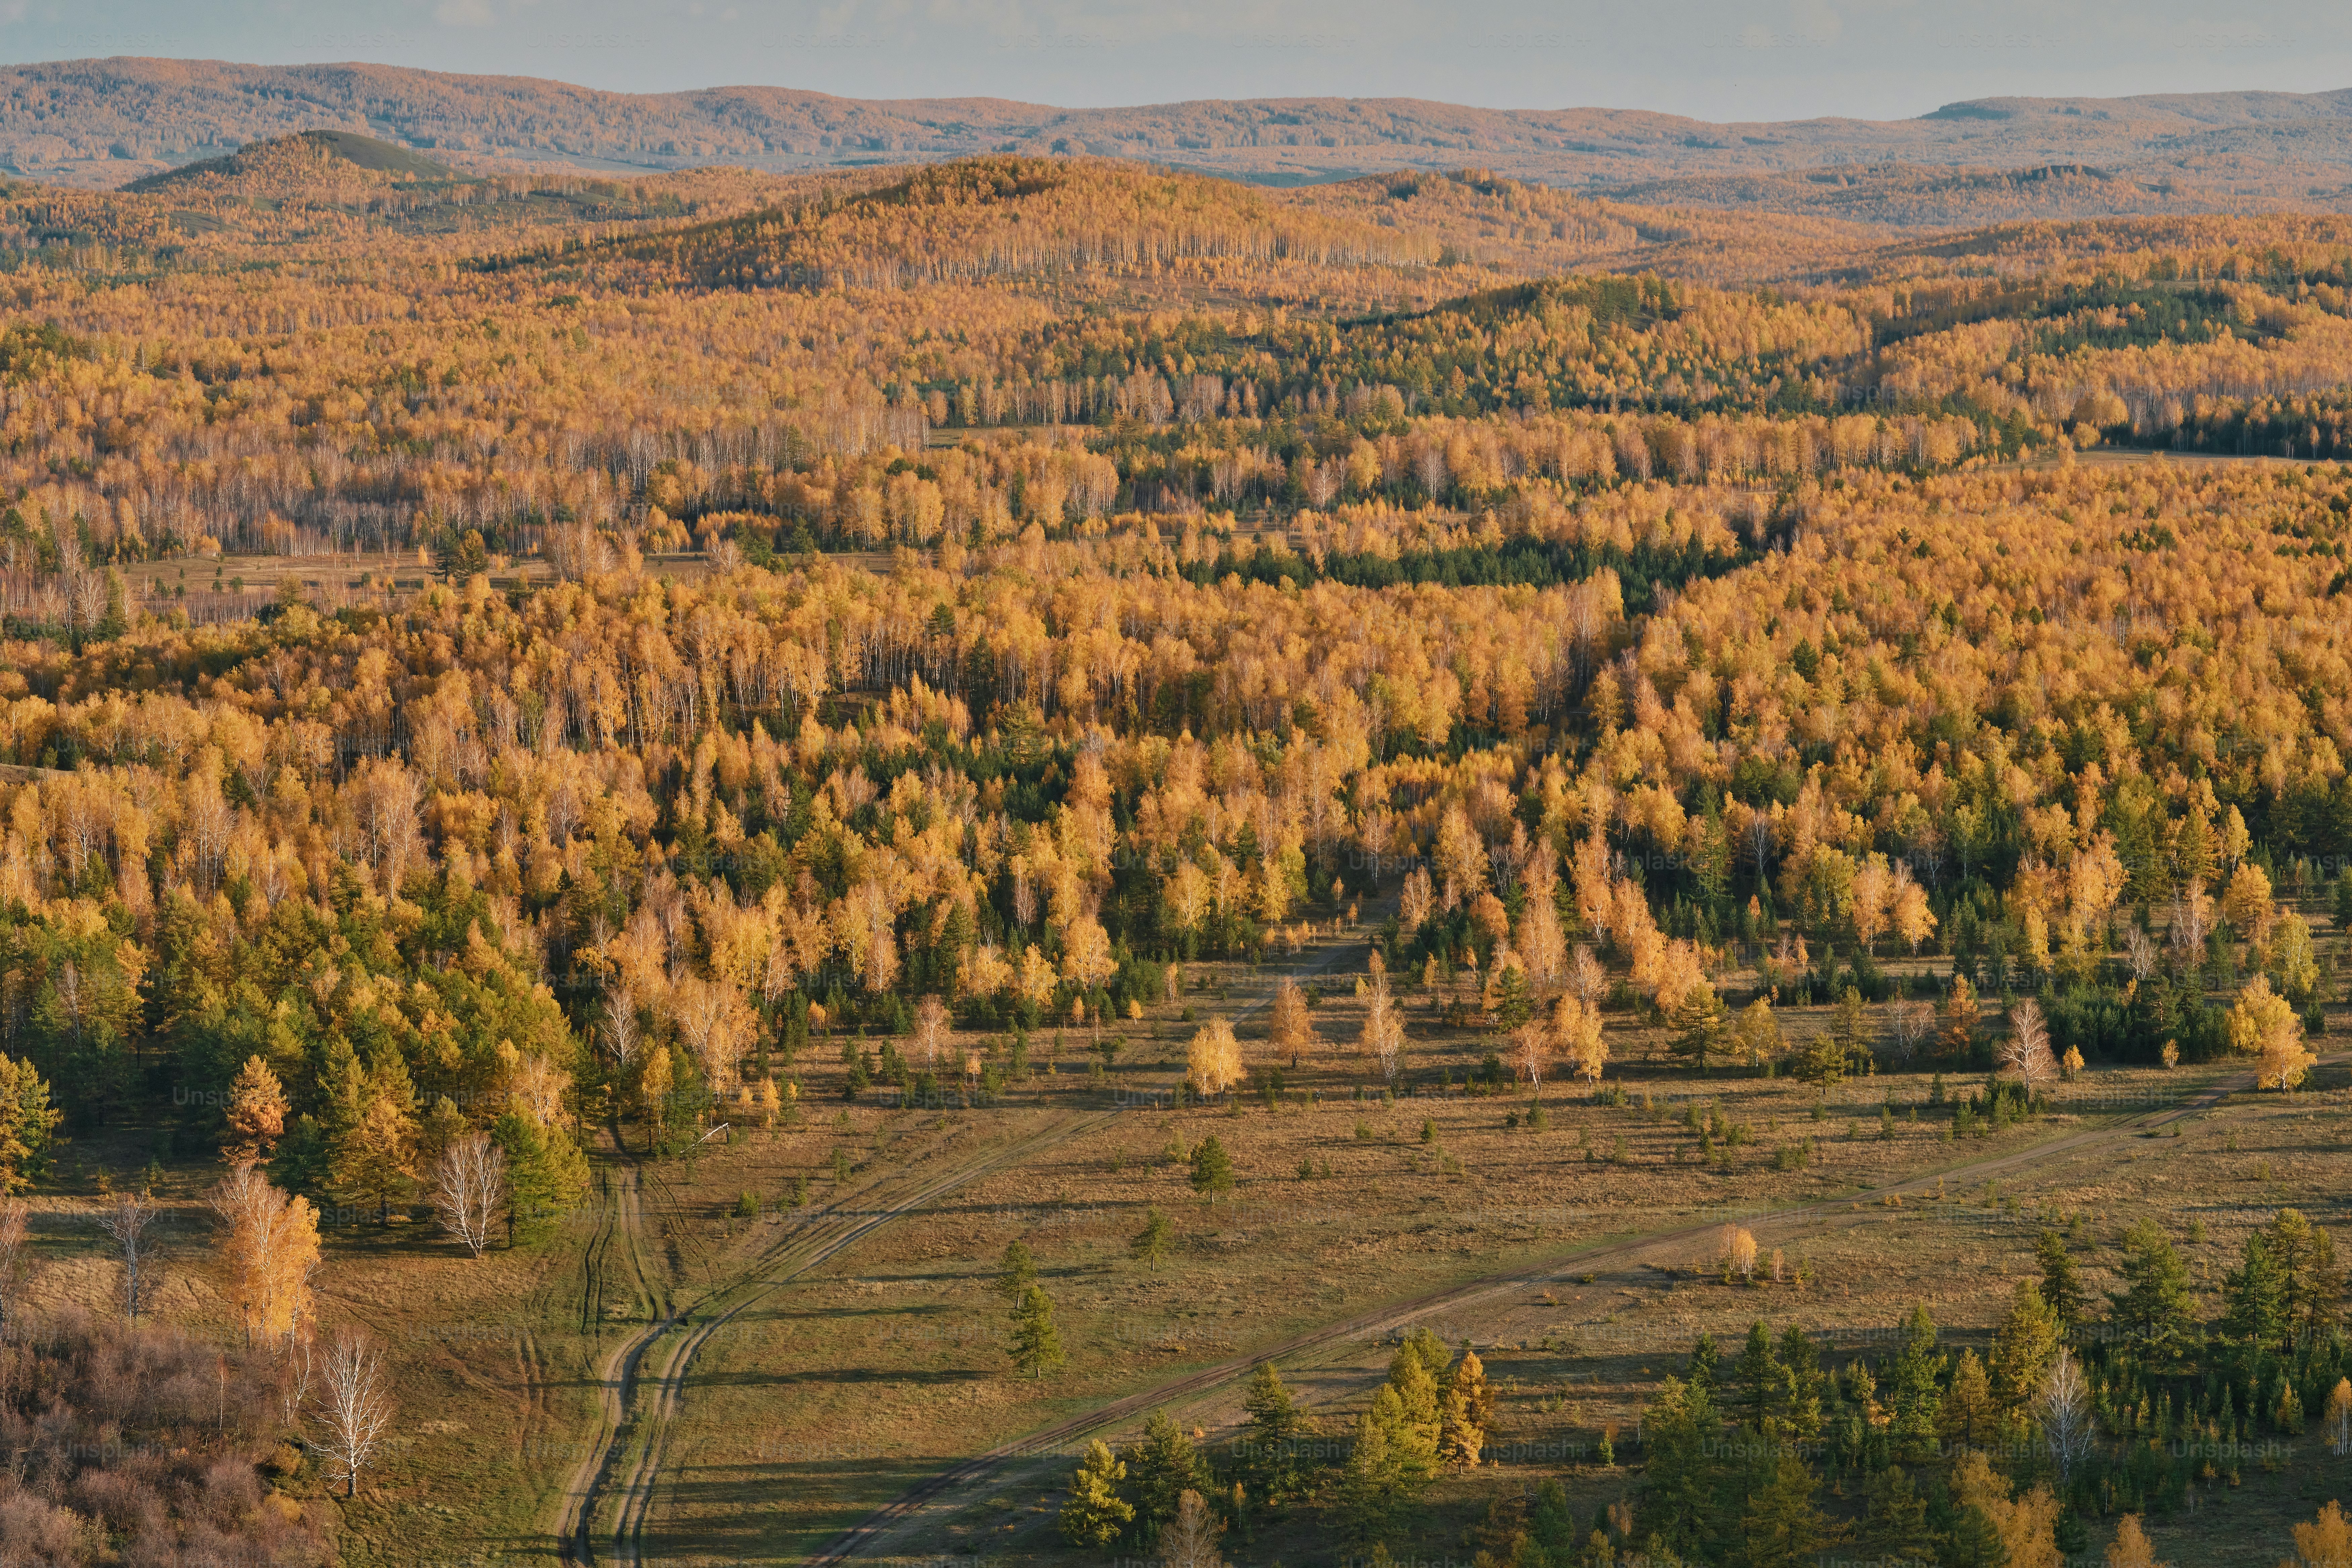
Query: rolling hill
x: 106, y: 123
x: 333, y: 156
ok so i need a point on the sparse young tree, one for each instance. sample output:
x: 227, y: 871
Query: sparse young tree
x: 15, y: 1259
x: 1960, y: 1016
x: 1015, y: 1272
x: 297, y: 1370
x: 1292, y: 1032
x: 1911, y: 1022
x: 469, y: 1187
x: 124, y: 1217
x: 353, y: 1405
x: 1150, y: 1244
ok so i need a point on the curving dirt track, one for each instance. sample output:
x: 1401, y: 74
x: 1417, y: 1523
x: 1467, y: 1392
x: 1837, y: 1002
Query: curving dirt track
x: 638, y: 1406
x: 906, y: 1509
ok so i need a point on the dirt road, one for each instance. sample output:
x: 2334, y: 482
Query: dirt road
x: 887, y: 1528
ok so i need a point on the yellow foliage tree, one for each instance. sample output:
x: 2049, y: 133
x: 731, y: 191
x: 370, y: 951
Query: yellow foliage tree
x: 271, y: 1255
x: 1213, y: 1060
x: 2264, y: 1025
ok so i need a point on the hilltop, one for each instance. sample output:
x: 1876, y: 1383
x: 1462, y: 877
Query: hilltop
x: 329, y: 165
x: 310, y: 154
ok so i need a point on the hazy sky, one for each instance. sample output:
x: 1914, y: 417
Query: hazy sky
x: 1710, y: 59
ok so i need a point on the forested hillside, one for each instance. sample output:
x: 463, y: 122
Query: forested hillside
x: 727, y: 666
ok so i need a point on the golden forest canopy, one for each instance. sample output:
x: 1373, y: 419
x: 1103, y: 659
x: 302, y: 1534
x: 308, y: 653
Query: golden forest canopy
x: 991, y: 584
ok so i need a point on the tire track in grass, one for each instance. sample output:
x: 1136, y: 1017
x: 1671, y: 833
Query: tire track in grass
x: 624, y: 1467
x: 907, y: 1507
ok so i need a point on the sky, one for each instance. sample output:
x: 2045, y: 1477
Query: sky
x: 1712, y: 59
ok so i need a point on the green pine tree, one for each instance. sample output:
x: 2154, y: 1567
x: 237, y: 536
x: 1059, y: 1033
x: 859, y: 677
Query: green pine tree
x: 1895, y: 1525
x: 1829, y: 1055
x: 1036, y: 1347
x: 2062, y: 1287
x: 1760, y: 1377
x: 2255, y: 1293
x: 546, y: 1173
x: 1372, y: 1486
x: 1681, y: 1431
x: 1016, y: 1272
x: 1802, y: 1381
x: 1706, y: 1368
x: 1150, y: 1244
x: 1514, y: 1002
x: 1270, y: 1449
x: 1916, y: 1397
x: 1551, y: 1526
x: 1165, y: 1465
x: 2025, y: 1346
x: 2154, y: 1309
x: 1780, y: 1527
x: 1096, y: 1516
x: 1213, y: 1169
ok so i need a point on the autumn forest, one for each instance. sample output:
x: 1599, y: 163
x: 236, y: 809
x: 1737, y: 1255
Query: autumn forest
x: 1413, y: 868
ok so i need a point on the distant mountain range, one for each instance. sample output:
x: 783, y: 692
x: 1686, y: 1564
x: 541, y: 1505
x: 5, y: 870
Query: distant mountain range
x: 106, y: 123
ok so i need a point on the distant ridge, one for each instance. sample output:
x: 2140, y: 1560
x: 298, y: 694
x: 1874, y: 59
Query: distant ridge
x: 104, y: 124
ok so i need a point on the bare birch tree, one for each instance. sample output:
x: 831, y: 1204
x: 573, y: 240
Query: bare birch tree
x: 1384, y: 1030
x: 125, y: 1218
x: 353, y: 1405
x: 1191, y: 1540
x: 931, y: 1026
x: 298, y: 1368
x: 2026, y: 1052
x: 469, y: 1188
x: 1532, y: 1044
x: 621, y: 1023
x: 2066, y: 1410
